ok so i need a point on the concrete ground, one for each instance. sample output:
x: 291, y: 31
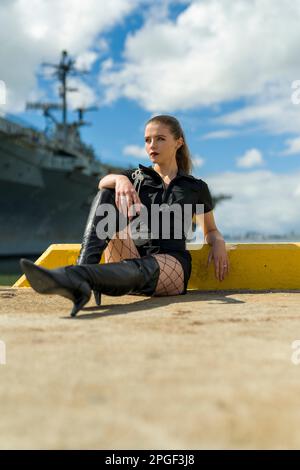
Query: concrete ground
x: 205, y: 370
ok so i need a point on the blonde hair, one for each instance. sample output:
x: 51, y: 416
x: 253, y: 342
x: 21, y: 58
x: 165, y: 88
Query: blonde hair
x: 183, y: 157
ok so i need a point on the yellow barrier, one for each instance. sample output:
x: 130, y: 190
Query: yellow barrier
x: 253, y: 266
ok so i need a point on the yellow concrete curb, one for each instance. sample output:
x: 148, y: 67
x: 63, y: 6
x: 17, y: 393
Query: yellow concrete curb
x: 253, y: 266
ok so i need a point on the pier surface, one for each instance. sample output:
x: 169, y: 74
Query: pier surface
x: 204, y: 370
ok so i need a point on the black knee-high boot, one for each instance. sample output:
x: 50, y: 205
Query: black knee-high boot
x: 93, y: 245
x: 130, y: 276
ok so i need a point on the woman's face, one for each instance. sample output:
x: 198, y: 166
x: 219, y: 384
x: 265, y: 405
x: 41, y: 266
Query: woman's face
x: 160, y: 144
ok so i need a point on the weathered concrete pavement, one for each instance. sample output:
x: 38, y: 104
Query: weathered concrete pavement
x: 205, y: 370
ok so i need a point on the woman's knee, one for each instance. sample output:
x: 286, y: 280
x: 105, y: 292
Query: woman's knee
x: 119, y: 249
x: 171, y: 278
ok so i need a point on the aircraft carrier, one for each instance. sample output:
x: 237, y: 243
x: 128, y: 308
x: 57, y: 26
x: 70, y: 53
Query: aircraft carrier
x: 47, y: 178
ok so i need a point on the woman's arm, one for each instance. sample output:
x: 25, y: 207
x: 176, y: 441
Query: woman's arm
x: 109, y: 181
x: 125, y: 193
x: 214, y: 238
x: 210, y: 230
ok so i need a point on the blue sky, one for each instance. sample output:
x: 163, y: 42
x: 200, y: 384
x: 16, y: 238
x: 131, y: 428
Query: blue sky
x: 224, y: 69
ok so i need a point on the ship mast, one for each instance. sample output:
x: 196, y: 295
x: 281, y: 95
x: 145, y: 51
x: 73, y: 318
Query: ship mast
x: 62, y: 70
x: 65, y: 67
x: 81, y: 111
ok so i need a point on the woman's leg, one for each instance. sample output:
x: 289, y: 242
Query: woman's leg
x: 157, y: 275
x: 171, y: 277
x: 120, y: 247
x: 131, y: 276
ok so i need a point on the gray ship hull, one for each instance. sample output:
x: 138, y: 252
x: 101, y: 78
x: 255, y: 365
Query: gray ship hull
x: 40, y: 205
x: 32, y: 219
x: 48, y: 178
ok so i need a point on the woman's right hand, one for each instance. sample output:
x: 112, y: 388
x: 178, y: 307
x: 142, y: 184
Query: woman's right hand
x: 126, y: 195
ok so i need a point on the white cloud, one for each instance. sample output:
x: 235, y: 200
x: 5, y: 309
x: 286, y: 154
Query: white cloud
x: 83, y: 97
x: 39, y: 32
x: 197, y: 161
x: 251, y: 158
x: 293, y: 147
x: 209, y: 55
x: 85, y: 60
x: 221, y: 134
x: 272, y: 111
x: 297, y: 191
x: 261, y: 201
x: 135, y: 151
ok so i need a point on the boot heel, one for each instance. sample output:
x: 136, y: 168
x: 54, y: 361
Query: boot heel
x: 97, y: 296
x: 78, y: 305
x: 57, y: 281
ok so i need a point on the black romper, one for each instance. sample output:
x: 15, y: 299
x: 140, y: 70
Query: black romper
x: 183, y: 189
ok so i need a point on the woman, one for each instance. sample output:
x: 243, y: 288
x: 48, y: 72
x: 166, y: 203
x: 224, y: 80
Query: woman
x: 144, y: 264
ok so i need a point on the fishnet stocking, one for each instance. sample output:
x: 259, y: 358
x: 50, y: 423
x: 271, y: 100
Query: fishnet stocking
x: 171, y: 277
x: 121, y: 246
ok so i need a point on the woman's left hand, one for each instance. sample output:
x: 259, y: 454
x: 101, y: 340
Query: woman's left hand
x: 219, y: 255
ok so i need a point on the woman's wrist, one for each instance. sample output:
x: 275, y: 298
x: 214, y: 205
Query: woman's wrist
x: 109, y: 181
x: 214, y: 237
